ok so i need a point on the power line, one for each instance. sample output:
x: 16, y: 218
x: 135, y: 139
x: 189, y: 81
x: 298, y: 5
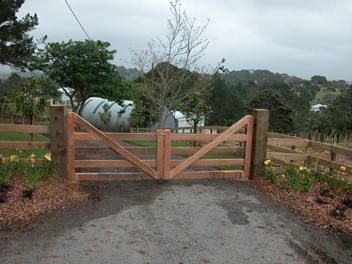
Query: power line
x: 73, y: 13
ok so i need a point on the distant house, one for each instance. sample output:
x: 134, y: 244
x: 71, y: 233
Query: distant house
x: 318, y: 108
x: 63, y: 100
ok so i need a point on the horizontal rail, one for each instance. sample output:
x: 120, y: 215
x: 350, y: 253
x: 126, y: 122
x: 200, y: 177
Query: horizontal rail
x: 126, y: 164
x: 273, y: 148
x: 24, y: 145
x: 152, y: 136
x: 206, y: 137
x: 329, y: 163
x: 34, y: 129
x: 287, y: 156
x: 116, y: 136
x: 152, y: 150
x: 131, y: 176
x: 337, y: 149
x: 288, y: 141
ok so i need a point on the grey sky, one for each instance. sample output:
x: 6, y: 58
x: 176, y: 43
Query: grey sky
x: 298, y: 37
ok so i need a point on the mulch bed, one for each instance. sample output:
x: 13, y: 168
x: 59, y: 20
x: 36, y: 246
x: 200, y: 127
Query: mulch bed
x: 327, y: 210
x: 18, y: 204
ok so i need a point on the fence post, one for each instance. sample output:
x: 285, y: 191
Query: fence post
x: 70, y: 146
x: 167, y: 154
x: 259, y: 145
x: 159, y: 154
x: 58, y: 138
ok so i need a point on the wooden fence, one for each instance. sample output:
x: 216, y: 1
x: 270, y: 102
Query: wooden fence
x: 165, y: 161
x: 245, y: 160
x: 283, y: 149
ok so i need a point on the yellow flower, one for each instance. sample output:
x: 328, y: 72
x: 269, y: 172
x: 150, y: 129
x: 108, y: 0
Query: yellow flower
x: 301, y: 168
x: 343, y: 168
x: 14, y: 158
x: 32, y: 159
x: 1, y: 158
x: 47, y: 156
x: 267, y: 162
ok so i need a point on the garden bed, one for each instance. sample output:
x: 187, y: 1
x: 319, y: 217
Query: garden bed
x: 328, y: 210
x: 17, y: 206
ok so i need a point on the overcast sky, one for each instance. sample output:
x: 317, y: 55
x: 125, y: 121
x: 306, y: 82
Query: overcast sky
x: 298, y: 37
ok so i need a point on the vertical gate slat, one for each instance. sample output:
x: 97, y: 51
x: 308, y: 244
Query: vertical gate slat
x: 70, y: 146
x: 248, y: 148
x: 159, y: 154
x: 167, y: 154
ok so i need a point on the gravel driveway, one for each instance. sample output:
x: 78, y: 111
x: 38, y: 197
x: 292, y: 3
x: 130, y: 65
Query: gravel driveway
x: 175, y: 222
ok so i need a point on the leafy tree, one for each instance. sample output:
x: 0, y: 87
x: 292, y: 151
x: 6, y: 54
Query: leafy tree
x: 196, y: 109
x: 16, y: 46
x: 32, y: 98
x: 82, y: 69
x: 338, y: 116
x: 280, y: 112
x: 226, y: 105
x: 318, y: 79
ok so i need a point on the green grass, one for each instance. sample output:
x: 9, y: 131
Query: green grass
x: 14, y: 136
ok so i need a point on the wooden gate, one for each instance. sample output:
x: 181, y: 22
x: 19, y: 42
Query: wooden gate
x: 225, y: 155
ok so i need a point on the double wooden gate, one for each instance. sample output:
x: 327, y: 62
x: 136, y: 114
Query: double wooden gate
x: 225, y: 155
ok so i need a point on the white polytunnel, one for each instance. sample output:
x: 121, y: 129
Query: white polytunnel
x: 108, y: 115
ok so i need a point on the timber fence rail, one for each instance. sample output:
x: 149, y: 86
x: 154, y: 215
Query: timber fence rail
x: 284, y: 149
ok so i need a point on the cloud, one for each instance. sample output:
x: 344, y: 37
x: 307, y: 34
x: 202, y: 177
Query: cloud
x: 297, y: 37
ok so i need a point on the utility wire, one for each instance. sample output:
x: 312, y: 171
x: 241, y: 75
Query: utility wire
x: 73, y: 13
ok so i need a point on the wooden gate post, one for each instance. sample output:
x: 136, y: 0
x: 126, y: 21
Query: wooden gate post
x: 159, y: 154
x: 58, y: 138
x: 163, y: 154
x: 259, y: 145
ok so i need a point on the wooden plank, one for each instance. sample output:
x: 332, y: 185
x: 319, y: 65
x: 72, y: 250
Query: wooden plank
x: 117, y: 147
x: 58, y: 139
x: 167, y: 154
x: 28, y: 129
x: 24, y: 145
x: 152, y: 163
x: 328, y: 163
x: 273, y: 148
x: 135, y: 176
x: 287, y: 156
x: 159, y: 154
x: 70, y: 146
x: 248, y: 148
x: 152, y: 150
x: 301, y: 142
x: 205, y: 149
x: 83, y: 136
x: 260, y: 137
x: 278, y: 135
x: 332, y: 148
x: 206, y: 137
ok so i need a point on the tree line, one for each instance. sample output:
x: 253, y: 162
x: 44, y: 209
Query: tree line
x: 168, y: 76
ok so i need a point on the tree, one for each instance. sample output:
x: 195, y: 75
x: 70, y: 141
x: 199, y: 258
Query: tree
x: 318, y: 79
x: 32, y: 98
x: 169, y: 66
x: 82, y: 69
x: 338, y: 116
x: 280, y: 112
x: 225, y: 103
x: 16, y: 46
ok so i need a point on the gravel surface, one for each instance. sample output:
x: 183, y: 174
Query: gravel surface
x: 175, y: 222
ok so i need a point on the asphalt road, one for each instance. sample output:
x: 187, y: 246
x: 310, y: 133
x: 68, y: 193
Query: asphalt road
x: 175, y: 222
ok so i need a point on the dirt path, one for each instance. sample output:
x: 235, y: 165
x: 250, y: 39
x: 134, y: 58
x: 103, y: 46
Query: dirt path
x: 175, y: 222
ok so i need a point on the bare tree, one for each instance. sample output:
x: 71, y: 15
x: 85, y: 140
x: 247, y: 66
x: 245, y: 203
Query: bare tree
x: 170, y: 66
